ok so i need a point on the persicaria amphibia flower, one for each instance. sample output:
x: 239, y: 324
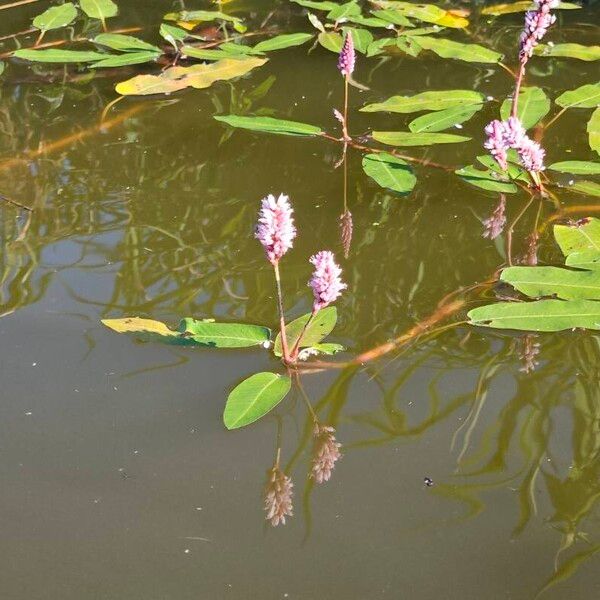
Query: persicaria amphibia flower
x: 496, y: 142
x: 347, y: 57
x: 326, y: 453
x: 275, y: 229
x: 325, y: 281
x: 537, y: 23
x: 278, y: 496
x: 531, y: 155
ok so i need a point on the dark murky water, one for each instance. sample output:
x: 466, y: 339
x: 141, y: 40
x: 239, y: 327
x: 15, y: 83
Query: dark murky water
x: 119, y: 480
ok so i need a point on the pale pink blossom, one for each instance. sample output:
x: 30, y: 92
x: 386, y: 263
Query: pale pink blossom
x: 278, y: 496
x: 531, y: 155
x: 537, y: 23
x: 347, y: 57
x: 325, y: 282
x: 496, y: 142
x: 275, y: 229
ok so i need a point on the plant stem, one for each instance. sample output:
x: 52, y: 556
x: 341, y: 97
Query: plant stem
x: 296, y: 347
x: 284, y: 345
x: 345, y: 126
x: 515, y: 102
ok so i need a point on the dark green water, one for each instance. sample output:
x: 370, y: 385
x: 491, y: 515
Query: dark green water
x: 119, y: 480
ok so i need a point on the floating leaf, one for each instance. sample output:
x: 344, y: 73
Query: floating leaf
x: 369, y: 21
x: 193, y: 333
x: 443, y: 119
x: 270, y: 125
x: 125, y: 43
x: 593, y: 129
x: 316, y: 4
x: 543, y: 315
x: 407, y: 138
x: 327, y: 348
x: 586, y: 96
x: 224, y: 335
x: 428, y: 13
x: 577, y: 167
x: 99, y: 9
x: 210, y: 54
x: 486, y: 180
x: 314, y: 20
x: 536, y: 282
x: 172, y: 34
x: 196, y: 76
x: 389, y: 172
x: 128, y: 58
x: 521, y: 6
x: 514, y: 171
x: 320, y: 327
x: 436, y: 100
x: 532, y: 107
x: 467, y: 52
x: 568, y: 51
x: 331, y: 40
x: 393, y: 17
x: 254, y: 398
x: 283, y: 41
x: 56, y: 17
x: 378, y: 46
x: 54, y: 55
x: 590, y: 188
x: 343, y: 11
x: 191, y: 18
x: 580, y: 237
x: 361, y: 37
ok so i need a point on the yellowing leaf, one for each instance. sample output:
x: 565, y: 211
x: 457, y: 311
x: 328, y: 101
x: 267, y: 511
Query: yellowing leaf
x: 179, y: 78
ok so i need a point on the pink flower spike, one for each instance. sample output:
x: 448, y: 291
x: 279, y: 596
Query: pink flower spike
x: 532, y: 155
x: 275, y: 229
x: 347, y: 57
x: 496, y: 142
x: 325, y: 281
x: 514, y: 132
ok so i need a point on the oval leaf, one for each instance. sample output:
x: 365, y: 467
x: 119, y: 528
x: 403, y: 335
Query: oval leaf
x: 128, y: 58
x: 56, y: 17
x: 577, y: 167
x: 578, y: 237
x: 389, y: 172
x: 486, y: 180
x: 532, y: 107
x: 586, y: 96
x: 99, y: 9
x: 320, y: 327
x: 330, y: 40
x: 467, y: 52
x: 224, y: 335
x: 437, y: 100
x: 254, y: 398
x: 283, y: 41
x: 544, y: 315
x: 407, y: 138
x: 593, y: 129
x: 125, y: 43
x: 443, y: 119
x: 52, y: 55
x: 270, y: 125
x: 568, y: 51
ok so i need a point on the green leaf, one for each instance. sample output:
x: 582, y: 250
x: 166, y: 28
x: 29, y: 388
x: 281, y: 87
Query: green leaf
x: 330, y: 40
x: 467, y: 52
x: 486, y: 180
x: 316, y: 4
x: 210, y: 54
x: 129, y: 58
x: 392, y: 16
x: 53, y: 55
x: 343, y: 11
x: 320, y: 327
x: 514, y: 171
x: 389, y: 172
x: 361, y: 37
x: 224, y: 335
x: 586, y: 259
x: 124, y: 43
x: 593, y: 129
x: 369, y: 22
x: 407, y: 138
x: 270, y: 125
x: 254, y: 398
x: 590, y: 188
x: 193, y: 333
x: 327, y: 348
x: 568, y: 51
x: 543, y: 315
x: 436, y: 100
x: 578, y: 237
x: 443, y: 119
x: 172, y: 34
x: 586, y: 96
x: 533, y: 106
x: 536, y: 282
x: 521, y: 6
x: 378, y: 46
x: 2, y: 65
x: 99, y: 9
x: 577, y: 167
x: 56, y: 17
x: 428, y: 13
x: 283, y: 41
x: 196, y: 76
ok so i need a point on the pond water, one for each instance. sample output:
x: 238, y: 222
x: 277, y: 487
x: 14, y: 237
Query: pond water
x: 119, y: 479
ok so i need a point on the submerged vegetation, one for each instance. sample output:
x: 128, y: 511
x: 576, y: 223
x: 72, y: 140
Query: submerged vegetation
x: 505, y: 150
